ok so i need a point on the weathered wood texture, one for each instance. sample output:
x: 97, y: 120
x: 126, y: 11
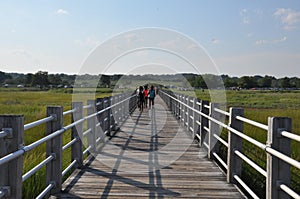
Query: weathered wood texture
x: 150, y: 156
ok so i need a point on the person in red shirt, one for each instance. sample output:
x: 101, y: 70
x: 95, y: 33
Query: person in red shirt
x: 146, y: 92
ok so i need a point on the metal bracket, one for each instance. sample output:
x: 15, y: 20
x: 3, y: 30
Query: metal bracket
x: 278, y: 183
x: 54, y: 184
x: 4, y: 191
x: 54, y: 117
x: 54, y: 155
x: 279, y: 130
x: 9, y: 132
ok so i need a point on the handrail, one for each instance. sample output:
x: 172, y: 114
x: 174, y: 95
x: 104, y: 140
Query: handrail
x: 220, y: 160
x: 39, y: 122
x: 37, y: 167
x: 291, y: 136
x: 253, y: 123
x: 69, y: 167
x: 69, y: 112
x: 182, y: 108
x: 69, y: 144
x: 87, y: 106
x: 3, y: 191
x: 283, y: 157
x: 246, y: 187
x: 46, y: 190
x: 5, y: 132
x: 251, y: 163
x: 221, y: 140
x: 289, y: 191
x: 222, y: 112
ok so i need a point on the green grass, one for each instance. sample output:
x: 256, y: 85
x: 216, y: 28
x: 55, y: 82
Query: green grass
x: 258, y: 105
x: 33, y: 104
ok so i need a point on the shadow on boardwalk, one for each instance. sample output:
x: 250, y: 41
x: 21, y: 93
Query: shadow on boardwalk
x: 150, y: 156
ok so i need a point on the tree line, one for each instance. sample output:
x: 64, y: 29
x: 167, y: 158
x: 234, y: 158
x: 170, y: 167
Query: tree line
x: 244, y: 82
x: 43, y: 79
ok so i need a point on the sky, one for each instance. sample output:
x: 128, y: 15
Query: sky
x: 240, y: 37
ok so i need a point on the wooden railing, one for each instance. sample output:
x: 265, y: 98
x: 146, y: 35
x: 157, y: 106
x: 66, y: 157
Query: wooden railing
x: 205, y: 120
x: 106, y: 113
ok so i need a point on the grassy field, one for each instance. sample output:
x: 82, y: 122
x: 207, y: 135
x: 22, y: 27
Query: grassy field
x: 258, y: 105
x: 33, y: 104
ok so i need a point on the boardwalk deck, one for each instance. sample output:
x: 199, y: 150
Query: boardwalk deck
x: 150, y: 156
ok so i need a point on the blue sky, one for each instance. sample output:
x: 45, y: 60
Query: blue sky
x: 242, y: 37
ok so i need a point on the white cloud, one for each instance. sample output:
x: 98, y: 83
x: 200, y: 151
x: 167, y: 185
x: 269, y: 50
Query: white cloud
x: 288, y: 17
x: 258, y: 12
x: 275, y: 41
x: 245, y: 16
x: 131, y: 38
x: 62, y: 12
x: 215, y: 41
x: 250, y: 34
x: 89, y: 41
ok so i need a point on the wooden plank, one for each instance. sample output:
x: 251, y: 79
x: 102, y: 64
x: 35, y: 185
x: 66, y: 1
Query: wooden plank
x: 138, y: 146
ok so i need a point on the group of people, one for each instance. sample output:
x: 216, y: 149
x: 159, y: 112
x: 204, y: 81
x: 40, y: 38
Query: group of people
x: 145, y: 95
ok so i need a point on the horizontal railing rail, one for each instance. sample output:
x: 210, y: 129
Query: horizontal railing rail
x: 204, y: 119
x: 102, y: 116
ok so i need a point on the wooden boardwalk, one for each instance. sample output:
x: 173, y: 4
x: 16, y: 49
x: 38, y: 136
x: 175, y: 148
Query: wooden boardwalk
x: 150, y: 156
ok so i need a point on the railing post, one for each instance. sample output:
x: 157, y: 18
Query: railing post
x: 114, y: 111
x: 278, y: 171
x: 121, y: 108
x: 124, y: 108
x: 111, y: 114
x: 177, y: 106
x: 130, y: 104
x: 190, y: 114
x: 108, y: 116
x: 100, y: 117
x: 11, y: 172
x: 171, y: 102
x: 91, y: 123
x: 203, y: 120
x: 196, y: 118
x: 185, y: 112
x: 77, y: 133
x: 213, y: 129
x: 180, y: 111
x: 54, y: 146
x: 118, y: 109
x: 234, y: 163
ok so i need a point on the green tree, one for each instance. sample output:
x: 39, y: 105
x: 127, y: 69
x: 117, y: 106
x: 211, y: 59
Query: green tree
x: 54, y: 79
x: 285, y: 82
x: 229, y: 82
x: 4, y: 76
x: 265, y: 82
x: 28, y: 79
x: 246, y: 82
x: 40, y: 79
x: 105, y: 80
x: 199, y: 82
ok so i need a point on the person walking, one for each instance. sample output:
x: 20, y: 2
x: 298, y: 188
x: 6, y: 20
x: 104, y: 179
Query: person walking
x: 141, y: 99
x: 151, y: 96
x: 146, y: 93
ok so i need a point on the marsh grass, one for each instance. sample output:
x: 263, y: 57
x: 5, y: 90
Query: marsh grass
x: 258, y: 105
x: 33, y: 105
